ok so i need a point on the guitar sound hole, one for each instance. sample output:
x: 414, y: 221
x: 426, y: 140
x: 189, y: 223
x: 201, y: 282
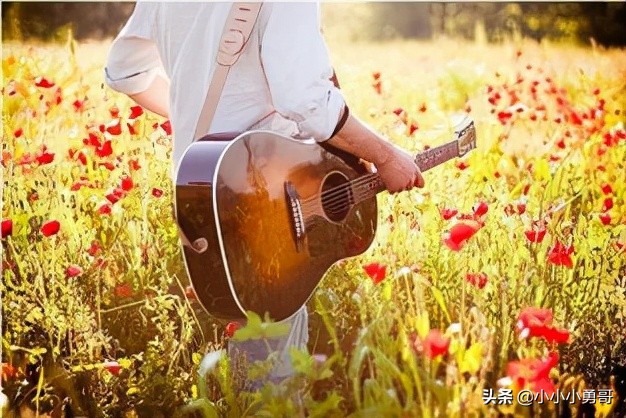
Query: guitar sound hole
x: 336, y: 196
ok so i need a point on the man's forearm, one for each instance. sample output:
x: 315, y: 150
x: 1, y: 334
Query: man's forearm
x: 156, y: 97
x: 358, y: 139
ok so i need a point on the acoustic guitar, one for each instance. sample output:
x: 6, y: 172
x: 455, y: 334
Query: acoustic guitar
x: 263, y: 217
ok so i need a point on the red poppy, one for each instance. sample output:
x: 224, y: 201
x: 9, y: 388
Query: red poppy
x: 376, y: 271
x: 43, y: 82
x: 105, y: 209
x: 535, y: 235
x: 533, y: 373
x: 73, y: 271
x: 127, y: 183
x: 8, y: 372
x: 114, y: 127
x: 231, y: 327
x: 123, y: 290
x: 167, y: 127
x: 376, y: 75
x: 481, y: 208
x: 134, y: 164
x: 460, y: 233
x: 50, y: 228
x: 94, y: 249
x: 131, y: 129
x: 560, y: 255
x: 537, y: 322
x: 18, y: 132
x: 461, y: 165
x: 477, y: 279
x: 447, y: 213
x: 7, y: 228
x: 114, y: 197
x: 135, y: 112
x: 92, y: 140
x: 605, y: 218
x: 190, y: 293
x: 78, y: 105
x: 608, y: 204
x: 521, y: 207
x: 82, y: 158
x: 157, y: 192
x: 412, y: 128
x: 423, y: 108
x: 607, y: 189
x: 114, y: 111
x: 105, y: 150
x: 45, y: 158
x: 398, y: 111
x: 504, y: 117
x: 109, y: 166
x: 378, y: 88
x: 435, y: 344
x: 112, y: 367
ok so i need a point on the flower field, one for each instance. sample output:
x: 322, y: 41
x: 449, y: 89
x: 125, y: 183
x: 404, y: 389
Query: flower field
x: 506, y: 274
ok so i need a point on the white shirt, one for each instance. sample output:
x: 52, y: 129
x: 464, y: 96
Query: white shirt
x: 284, y: 67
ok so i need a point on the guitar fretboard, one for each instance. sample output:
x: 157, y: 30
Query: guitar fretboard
x: 369, y: 185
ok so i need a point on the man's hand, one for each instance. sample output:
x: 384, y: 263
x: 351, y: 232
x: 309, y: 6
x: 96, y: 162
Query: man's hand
x: 399, y: 172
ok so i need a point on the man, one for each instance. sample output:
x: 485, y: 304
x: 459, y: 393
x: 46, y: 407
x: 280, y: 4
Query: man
x: 164, y: 59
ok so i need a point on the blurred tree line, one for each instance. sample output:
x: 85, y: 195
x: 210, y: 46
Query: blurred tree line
x: 604, y: 22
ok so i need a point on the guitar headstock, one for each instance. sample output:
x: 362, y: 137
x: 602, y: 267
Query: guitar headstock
x: 465, y: 134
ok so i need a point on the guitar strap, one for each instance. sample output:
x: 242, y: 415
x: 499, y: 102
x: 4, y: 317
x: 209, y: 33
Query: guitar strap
x: 235, y: 35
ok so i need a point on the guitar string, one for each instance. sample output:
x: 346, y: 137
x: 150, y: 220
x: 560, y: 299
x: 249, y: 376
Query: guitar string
x: 338, y: 192
x: 340, y: 188
x: 367, y: 177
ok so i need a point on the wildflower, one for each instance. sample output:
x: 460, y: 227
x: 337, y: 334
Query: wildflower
x: 605, y: 218
x: 435, y: 344
x: 112, y: 367
x: 157, y: 192
x: 114, y: 111
x: 476, y: 279
x: 376, y: 271
x: 460, y: 233
x: 135, y: 112
x: 43, y: 82
x: 537, y: 322
x: 7, y: 228
x: 607, y: 189
x: 231, y: 328
x: 123, y: 290
x: 608, y: 204
x: 50, y: 228
x: 481, y: 208
x: 105, y: 150
x: 94, y: 249
x: 190, y: 293
x: 134, y: 164
x: 105, y: 209
x: 447, y: 213
x: 73, y: 271
x: 535, y: 235
x: 127, y: 183
x: 114, y: 127
x: 167, y: 127
x: 560, y: 255
x: 533, y: 373
x: 18, y: 132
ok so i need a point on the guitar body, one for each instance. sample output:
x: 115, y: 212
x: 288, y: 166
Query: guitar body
x: 271, y: 237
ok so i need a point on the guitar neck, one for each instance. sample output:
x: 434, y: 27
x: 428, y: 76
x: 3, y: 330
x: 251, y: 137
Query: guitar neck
x: 369, y: 185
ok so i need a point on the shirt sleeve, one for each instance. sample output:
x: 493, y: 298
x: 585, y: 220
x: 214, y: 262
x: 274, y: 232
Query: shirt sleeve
x: 298, y: 71
x: 133, y: 61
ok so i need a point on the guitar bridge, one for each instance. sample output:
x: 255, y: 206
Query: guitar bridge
x: 295, y: 215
